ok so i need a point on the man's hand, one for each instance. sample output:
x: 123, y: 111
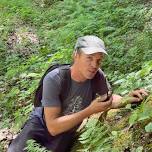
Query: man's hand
x: 98, y: 106
x: 138, y: 95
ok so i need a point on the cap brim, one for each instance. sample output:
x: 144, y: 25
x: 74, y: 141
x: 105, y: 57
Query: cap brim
x: 91, y: 50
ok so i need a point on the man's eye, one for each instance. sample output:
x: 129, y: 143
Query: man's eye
x: 89, y: 57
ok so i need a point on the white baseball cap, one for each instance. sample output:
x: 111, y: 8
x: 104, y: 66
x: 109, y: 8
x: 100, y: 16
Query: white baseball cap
x: 90, y: 44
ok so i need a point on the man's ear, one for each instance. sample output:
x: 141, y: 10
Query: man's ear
x: 74, y: 54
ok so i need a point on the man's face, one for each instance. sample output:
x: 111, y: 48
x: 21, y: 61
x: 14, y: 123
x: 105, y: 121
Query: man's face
x: 88, y: 64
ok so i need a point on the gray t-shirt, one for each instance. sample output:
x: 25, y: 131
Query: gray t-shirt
x: 79, y: 96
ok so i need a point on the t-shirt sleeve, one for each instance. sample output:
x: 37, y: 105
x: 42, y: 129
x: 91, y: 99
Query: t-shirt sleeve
x: 103, y: 85
x: 51, y: 91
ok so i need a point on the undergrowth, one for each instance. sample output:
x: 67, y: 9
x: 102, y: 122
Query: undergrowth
x: 32, y: 146
x: 104, y: 136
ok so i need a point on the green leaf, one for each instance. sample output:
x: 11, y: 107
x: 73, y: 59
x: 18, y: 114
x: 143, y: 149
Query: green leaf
x: 144, y: 117
x: 133, y: 118
x: 148, y: 127
x: 139, y: 149
x: 114, y: 133
x: 33, y: 75
x: 14, y: 92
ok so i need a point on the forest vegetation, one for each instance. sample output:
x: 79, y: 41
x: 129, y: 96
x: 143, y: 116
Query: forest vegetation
x: 37, y: 33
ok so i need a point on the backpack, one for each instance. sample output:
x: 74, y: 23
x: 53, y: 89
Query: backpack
x: 64, y: 70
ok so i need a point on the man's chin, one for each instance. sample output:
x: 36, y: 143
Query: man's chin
x: 91, y: 76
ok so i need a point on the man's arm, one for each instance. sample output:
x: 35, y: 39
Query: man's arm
x: 57, y: 124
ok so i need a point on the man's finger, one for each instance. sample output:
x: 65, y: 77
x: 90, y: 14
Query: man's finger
x: 138, y: 94
x: 135, y: 99
x: 108, y: 102
x: 143, y: 92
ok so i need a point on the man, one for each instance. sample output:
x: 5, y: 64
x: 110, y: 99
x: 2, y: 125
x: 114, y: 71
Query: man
x: 54, y: 126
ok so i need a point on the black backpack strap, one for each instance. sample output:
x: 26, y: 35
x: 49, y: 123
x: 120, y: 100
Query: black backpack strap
x: 99, y: 84
x: 65, y: 74
x: 39, y: 90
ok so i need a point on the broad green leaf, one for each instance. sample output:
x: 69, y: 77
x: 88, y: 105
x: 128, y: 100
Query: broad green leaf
x: 139, y: 149
x: 148, y: 127
x: 133, y: 118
